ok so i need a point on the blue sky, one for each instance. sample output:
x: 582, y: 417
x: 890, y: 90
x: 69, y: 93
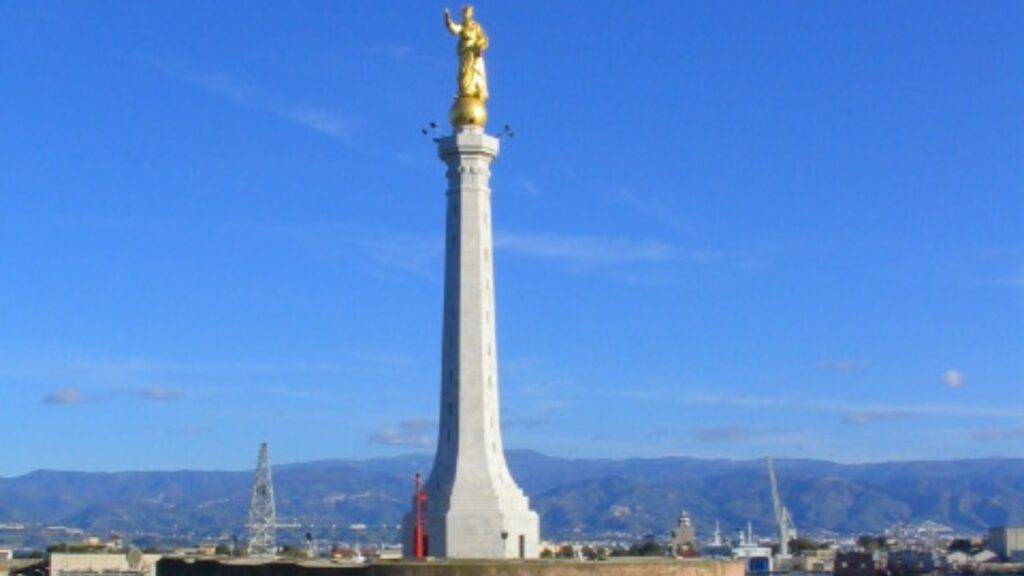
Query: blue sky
x: 724, y: 229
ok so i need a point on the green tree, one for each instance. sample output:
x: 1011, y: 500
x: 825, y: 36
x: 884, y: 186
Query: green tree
x: 871, y: 543
x: 960, y: 545
x: 648, y: 547
x: 803, y: 545
x: 222, y: 550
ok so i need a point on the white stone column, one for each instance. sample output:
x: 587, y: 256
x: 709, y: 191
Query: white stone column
x: 474, y: 508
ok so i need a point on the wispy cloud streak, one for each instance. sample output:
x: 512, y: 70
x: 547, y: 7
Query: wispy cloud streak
x: 842, y: 366
x: 597, y: 251
x: 421, y: 254
x: 76, y: 396
x: 324, y: 121
x: 752, y: 435
x: 408, y: 433
x: 722, y: 435
x: 855, y: 413
x: 64, y: 397
x: 161, y: 393
x: 998, y: 434
x: 415, y: 254
x: 652, y: 207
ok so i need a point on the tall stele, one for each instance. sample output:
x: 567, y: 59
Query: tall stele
x: 474, y: 508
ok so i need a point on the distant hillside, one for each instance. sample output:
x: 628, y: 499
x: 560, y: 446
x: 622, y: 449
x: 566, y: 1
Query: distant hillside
x: 583, y: 497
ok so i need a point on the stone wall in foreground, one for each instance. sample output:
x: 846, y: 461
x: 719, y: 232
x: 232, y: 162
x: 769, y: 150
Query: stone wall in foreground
x: 638, y: 567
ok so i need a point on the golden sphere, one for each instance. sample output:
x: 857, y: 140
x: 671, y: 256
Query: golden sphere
x: 468, y: 111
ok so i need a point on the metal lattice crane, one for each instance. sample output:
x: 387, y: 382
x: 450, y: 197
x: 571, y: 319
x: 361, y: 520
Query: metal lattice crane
x: 262, y: 513
x: 787, y: 530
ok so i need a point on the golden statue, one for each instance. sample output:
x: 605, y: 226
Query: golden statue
x: 470, y: 107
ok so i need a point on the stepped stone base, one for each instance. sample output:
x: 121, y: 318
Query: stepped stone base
x: 614, y: 567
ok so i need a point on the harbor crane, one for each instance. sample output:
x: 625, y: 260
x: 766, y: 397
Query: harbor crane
x: 787, y: 530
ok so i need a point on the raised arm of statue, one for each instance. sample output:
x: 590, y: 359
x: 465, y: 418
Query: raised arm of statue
x: 450, y: 24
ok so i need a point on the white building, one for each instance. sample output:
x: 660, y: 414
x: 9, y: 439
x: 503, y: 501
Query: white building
x: 6, y: 566
x: 133, y: 563
x: 1007, y: 542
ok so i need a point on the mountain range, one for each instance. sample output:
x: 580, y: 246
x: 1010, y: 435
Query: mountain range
x: 577, y: 498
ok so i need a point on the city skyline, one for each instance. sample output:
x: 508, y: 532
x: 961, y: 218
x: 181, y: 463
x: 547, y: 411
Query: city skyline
x: 782, y: 230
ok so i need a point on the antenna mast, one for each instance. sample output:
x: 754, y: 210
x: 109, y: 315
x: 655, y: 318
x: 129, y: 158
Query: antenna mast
x: 262, y: 513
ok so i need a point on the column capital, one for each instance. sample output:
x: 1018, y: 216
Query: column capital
x: 467, y: 143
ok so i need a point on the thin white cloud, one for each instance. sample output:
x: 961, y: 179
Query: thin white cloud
x: 858, y: 417
x: 397, y: 52
x: 525, y: 421
x: 386, y: 252
x: 64, y: 397
x: 536, y: 414
x: 385, y: 360
x: 652, y: 207
x: 583, y: 249
x: 998, y: 434
x: 856, y: 413
x: 73, y: 396
x: 322, y: 120
x: 408, y: 433
x: 291, y: 392
x: 760, y: 436
x: 842, y: 366
x: 597, y: 251
x: 421, y: 254
x: 953, y: 379
x: 104, y: 375
x: 530, y: 188
x: 722, y: 435
x: 161, y: 393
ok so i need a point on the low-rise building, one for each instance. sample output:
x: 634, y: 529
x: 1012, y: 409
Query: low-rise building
x: 854, y: 564
x: 1007, y: 542
x: 822, y: 560
x: 22, y: 568
x: 133, y: 563
x: 910, y: 561
x: 207, y: 549
x: 390, y: 553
